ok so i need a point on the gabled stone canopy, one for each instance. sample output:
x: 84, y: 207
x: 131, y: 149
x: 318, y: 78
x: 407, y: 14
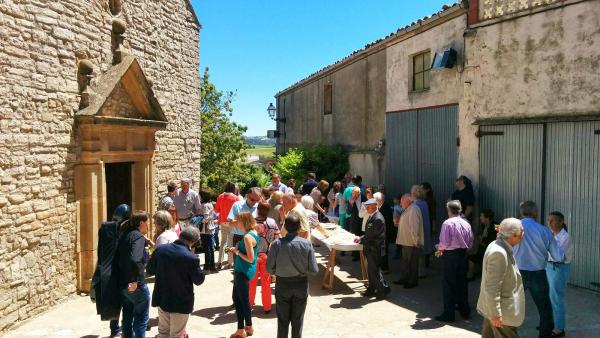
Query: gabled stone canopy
x: 122, y: 96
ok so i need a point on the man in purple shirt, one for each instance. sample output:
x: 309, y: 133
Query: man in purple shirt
x: 456, y: 237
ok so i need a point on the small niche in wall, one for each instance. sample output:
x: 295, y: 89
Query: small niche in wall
x: 115, y: 7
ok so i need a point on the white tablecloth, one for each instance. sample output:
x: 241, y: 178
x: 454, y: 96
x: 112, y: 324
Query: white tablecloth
x: 335, y: 237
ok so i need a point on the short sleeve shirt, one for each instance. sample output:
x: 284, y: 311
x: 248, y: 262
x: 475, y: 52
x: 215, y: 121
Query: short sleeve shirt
x: 236, y: 208
x: 187, y: 204
x: 223, y: 207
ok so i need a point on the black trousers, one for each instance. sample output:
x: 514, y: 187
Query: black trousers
x: 537, y: 283
x: 241, y: 299
x: 291, y: 294
x: 409, y: 270
x: 377, y: 283
x: 455, y: 287
x: 385, y: 258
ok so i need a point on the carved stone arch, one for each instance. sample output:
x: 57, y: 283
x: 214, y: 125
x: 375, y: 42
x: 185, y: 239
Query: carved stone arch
x: 116, y: 127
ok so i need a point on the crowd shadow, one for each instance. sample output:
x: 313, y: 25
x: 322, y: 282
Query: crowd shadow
x: 220, y: 315
x: 425, y: 300
x: 217, y: 315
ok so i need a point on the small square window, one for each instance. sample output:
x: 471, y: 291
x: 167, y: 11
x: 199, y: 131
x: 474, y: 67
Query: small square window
x: 421, y: 66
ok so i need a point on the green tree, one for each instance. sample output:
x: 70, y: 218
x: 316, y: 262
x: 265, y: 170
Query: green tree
x: 328, y: 162
x: 223, y: 147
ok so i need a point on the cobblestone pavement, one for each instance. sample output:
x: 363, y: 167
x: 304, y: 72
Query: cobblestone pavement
x: 344, y: 313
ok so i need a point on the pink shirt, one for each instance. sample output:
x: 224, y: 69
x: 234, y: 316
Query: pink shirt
x: 456, y: 233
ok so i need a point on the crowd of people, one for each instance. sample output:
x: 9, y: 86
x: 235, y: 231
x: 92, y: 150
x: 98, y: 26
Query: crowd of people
x: 266, y: 234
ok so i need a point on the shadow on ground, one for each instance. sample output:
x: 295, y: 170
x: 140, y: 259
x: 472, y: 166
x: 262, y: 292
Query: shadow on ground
x: 425, y: 300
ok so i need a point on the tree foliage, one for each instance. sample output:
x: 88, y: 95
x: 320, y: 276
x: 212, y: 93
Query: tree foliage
x: 328, y: 162
x: 290, y: 165
x: 223, y: 148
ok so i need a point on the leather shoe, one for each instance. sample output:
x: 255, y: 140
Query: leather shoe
x: 558, y: 334
x: 444, y: 319
x: 381, y: 296
x: 368, y: 294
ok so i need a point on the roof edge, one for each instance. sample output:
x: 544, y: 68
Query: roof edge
x: 373, y: 47
x: 193, y: 11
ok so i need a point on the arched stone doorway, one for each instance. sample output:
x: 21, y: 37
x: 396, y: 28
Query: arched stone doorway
x: 116, y: 127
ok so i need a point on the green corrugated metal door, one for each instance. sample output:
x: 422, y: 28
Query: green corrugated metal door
x: 510, y: 167
x: 573, y: 188
x: 438, y: 153
x: 401, y: 151
x: 421, y: 146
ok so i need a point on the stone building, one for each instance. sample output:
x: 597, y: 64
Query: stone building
x: 517, y: 110
x: 99, y: 105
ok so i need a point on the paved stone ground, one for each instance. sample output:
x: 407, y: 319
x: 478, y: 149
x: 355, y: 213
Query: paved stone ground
x: 406, y: 313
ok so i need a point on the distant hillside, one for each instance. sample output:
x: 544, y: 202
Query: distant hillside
x: 260, y: 141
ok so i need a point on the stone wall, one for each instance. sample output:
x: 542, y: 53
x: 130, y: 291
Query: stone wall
x: 40, y: 42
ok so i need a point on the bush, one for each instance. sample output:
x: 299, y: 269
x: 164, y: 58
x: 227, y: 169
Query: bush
x: 290, y: 165
x: 328, y: 162
x: 257, y: 177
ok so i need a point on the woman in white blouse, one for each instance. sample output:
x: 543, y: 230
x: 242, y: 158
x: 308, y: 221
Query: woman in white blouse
x: 558, y: 272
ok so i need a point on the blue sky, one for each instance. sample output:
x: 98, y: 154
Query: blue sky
x: 259, y: 47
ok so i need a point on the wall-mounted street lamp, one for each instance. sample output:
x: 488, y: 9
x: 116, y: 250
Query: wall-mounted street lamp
x: 272, y: 111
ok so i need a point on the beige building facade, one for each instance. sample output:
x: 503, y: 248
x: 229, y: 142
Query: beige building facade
x: 343, y: 104
x: 99, y: 105
x: 518, y: 111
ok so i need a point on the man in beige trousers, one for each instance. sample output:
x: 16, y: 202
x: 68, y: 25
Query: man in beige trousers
x: 410, y: 236
x: 501, y: 296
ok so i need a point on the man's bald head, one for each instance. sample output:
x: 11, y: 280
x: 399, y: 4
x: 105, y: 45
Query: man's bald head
x: 405, y: 201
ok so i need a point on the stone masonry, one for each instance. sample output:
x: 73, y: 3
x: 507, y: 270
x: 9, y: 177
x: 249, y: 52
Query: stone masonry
x: 41, y: 42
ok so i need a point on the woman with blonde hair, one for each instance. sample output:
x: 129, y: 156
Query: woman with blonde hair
x: 164, y: 225
x: 244, y: 268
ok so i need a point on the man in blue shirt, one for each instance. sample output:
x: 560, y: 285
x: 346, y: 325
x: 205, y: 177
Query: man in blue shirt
x: 249, y: 205
x: 531, y: 256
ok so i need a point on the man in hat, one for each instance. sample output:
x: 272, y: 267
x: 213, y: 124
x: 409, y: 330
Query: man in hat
x: 373, y: 242
x: 187, y: 202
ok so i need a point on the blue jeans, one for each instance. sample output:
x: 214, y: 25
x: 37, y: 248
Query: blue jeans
x: 136, y: 306
x: 537, y: 283
x: 208, y: 247
x: 558, y: 276
x: 114, y: 327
